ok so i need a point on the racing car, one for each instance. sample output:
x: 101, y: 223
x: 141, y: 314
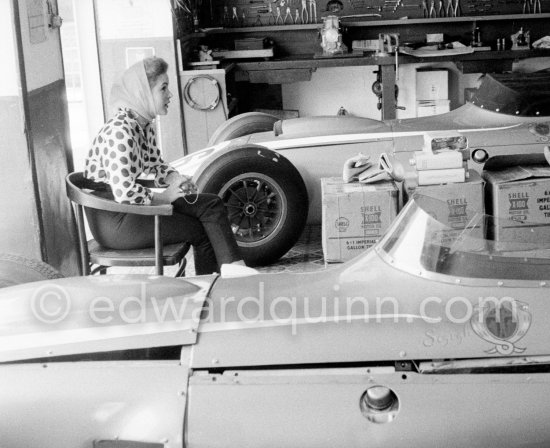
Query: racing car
x: 431, y: 338
x: 268, y: 171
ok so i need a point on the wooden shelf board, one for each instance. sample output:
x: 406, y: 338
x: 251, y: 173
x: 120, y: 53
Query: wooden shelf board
x: 377, y: 23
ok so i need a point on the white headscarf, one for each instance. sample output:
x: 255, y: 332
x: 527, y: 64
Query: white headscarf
x: 132, y: 91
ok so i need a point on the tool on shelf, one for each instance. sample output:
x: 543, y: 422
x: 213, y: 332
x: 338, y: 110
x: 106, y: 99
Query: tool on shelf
x: 271, y: 20
x: 313, y: 11
x: 304, y: 15
x: 428, y: 13
x: 235, y: 17
x: 279, y: 18
x: 288, y: 15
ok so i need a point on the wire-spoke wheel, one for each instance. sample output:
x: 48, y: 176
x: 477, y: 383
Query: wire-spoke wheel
x: 265, y: 197
x: 256, y: 205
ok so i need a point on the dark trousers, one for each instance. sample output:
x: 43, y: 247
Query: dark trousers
x: 203, y: 223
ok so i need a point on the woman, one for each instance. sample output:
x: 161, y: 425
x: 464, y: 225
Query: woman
x: 125, y: 148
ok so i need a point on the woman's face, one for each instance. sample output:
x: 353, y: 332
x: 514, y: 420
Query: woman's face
x: 161, y: 95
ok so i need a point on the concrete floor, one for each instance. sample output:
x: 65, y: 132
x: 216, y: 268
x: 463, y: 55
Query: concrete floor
x: 305, y: 256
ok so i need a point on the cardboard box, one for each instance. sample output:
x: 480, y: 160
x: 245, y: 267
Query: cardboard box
x: 432, y: 85
x: 519, y: 200
x: 426, y: 108
x: 460, y: 207
x: 355, y: 216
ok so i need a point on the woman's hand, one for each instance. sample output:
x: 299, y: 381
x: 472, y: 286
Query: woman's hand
x: 179, y: 179
x: 168, y: 195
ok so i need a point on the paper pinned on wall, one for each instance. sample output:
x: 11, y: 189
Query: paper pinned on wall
x: 36, y: 17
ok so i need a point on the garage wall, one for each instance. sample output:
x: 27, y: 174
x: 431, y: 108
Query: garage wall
x: 19, y: 219
x: 39, y: 222
x: 350, y: 87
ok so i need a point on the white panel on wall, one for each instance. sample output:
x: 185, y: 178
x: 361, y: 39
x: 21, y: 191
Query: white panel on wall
x: 135, y: 20
x: 332, y: 88
x: 351, y: 88
x: 9, y: 84
x: 43, y: 63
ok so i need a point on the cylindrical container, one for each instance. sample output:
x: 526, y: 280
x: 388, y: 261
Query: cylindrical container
x: 436, y: 161
x: 434, y: 177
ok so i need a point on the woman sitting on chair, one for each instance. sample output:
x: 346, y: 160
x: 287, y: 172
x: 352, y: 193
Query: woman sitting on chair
x: 125, y: 148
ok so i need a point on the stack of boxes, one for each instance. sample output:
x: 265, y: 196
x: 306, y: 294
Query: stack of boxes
x: 441, y: 160
x: 518, y: 198
x: 441, y: 173
x: 355, y: 216
x: 432, y: 92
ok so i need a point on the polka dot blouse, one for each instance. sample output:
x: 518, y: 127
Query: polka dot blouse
x: 121, y: 152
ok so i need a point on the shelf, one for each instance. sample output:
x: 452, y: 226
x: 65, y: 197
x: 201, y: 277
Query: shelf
x: 259, y: 29
x: 307, y: 61
x: 376, y: 23
x: 488, y: 18
x: 192, y: 36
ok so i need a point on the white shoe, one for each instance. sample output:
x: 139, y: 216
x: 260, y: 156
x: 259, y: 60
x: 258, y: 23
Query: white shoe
x: 229, y: 270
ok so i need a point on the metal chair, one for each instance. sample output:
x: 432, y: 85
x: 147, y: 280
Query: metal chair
x: 79, y: 191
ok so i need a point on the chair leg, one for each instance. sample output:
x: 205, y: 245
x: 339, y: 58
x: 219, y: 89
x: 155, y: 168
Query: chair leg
x: 181, y: 269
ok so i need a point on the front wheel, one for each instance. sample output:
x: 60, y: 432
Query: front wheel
x: 15, y: 270
x: 266, y: 201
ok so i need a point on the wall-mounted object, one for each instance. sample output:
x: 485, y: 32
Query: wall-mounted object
x: 205, y: 105
x: 54, y: 20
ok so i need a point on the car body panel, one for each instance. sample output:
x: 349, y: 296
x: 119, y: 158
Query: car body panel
x: 73, y: 404
x: 297, y: 325
x: 321, y: 408
x: 319, y: 146
x: 94, y: 314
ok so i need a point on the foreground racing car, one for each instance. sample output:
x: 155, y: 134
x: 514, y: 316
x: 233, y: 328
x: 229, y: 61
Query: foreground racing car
x: 270, y: 181
x: 429, y: 339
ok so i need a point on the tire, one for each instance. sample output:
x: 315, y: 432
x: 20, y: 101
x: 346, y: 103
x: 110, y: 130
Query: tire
x: 266, y: 201
x: 241, y: 125
x: 15, y: 270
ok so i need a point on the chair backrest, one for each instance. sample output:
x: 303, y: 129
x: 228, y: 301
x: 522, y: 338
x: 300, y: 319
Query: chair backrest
x: 79, y: 191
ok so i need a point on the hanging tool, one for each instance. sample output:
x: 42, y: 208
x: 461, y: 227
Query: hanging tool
x: 297, y: 16
x: 456, y: 8
x: 432, y: 12
x: 449, y: 9
x: 258, y: 20
x: 288, y: 15
x: 304, y: 15
x: 279, y: 17
x: 441, y: 9
x: 225, y: 18
x: 313, y: 11
x: 270, y: 16
x: 235, y: 17
x: 536, y: 7
x: 425, y: 12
